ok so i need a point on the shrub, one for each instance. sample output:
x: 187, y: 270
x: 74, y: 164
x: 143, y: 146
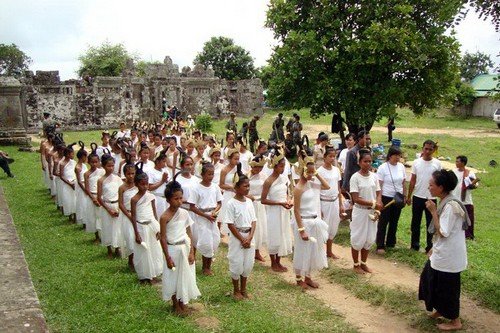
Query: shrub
x: 204, y: 122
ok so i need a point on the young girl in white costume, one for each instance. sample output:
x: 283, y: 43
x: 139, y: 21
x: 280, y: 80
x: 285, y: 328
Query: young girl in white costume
x: 257, y: 179
x: 80, y: 194
x: 275, y: 197
x: 240, y: 219
x: 205, y: 201
x: 125, y: 193
x: 148, y: 261
x: 179, y: 271
x: 215, y: 159
x: 157, y: 180
x: 107, y: 195
x: 245, y: 156
x: 365, y: 192
x: 91, y: 177
x: 226, y: 183
x: 311, y: 232
x: 230, y: 145
x: 68, y: 180
x: 172, y: 156
x: 331, y: 200
x: 187, y: 181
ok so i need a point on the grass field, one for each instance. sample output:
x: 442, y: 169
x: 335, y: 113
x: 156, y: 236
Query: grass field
x: 80, y: 290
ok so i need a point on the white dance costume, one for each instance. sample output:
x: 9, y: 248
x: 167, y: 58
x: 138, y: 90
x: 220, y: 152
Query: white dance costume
x: 363, y: 229
x: 279, y: 231
x: 111, y: 232
x: 154, y: 176
x: 330, y: 208
x: 81, y: 197
x: 92, y: 218
x: 59, y: 187
x: 260, y: 234
x: 67, y: 193
x: 310, y: 255
x: 206, y: 237
x: 241, y: 215
x: 124, y: 221
x: 226, y: 196
x: 148, y: 259
x: 180, y: 282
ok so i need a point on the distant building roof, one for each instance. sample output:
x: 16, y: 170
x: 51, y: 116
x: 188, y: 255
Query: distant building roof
x: 486, y: 84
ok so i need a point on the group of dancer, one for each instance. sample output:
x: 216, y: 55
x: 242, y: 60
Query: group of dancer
x: 159, y: 197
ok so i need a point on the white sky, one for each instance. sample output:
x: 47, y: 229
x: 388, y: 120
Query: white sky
x: 55, y: 32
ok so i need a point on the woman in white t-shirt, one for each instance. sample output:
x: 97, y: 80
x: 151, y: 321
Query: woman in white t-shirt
x: 365, y: 193
x: 392, y: 177
x: 440, y: 279
x: 350, y: 141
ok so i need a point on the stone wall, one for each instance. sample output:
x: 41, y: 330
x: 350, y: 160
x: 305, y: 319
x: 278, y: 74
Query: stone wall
x: 103, y: 102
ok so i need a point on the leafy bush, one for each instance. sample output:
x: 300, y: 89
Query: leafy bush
x: 204, y: 122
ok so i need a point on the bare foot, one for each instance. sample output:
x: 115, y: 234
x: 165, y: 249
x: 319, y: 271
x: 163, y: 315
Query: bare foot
x: 145, y: 281
x: 282, y: 268
x: 237, y: 296
x: 110, y: 255
x: 207, y: 272
x: 156, y: 280
x: 333, y: 256
x: 380, y: 252
x: 435, y: 315
x: 118, y: 253
x: 311, y: 283
x: 96, y: 241
x: 366, y: 268
x: 359, y: 270
x: 303, y: 285
x: 259, y: 258
x: 246, y: 295
x: 131, y: 267
x: 454, y: 325
x: 180, y: 312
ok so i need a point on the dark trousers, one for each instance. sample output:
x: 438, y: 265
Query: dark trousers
x: 469, y: 233
x: 417, y: 208
x: 388, y: 223
x: 4, y: 164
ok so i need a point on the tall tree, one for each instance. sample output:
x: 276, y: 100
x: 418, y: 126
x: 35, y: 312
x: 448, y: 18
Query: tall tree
x: 473, y: 64
x: 13, y: 61
x: 228, y: 60
x: 360, y: 59
x: 487, y: 9
x: 104, y: 60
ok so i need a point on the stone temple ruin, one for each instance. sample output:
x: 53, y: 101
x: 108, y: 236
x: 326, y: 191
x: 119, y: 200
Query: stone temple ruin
x: 103, y: 102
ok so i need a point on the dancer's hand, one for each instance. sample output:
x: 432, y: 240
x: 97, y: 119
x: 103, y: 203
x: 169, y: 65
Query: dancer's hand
x: 431, y: 206
x: 191, y: 258
x: 138, y: 238
x: 170, y: 263
x: 303, y: 234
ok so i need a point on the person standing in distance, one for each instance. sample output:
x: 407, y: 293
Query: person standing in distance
x: 418, y: 193
x: 351, y: 165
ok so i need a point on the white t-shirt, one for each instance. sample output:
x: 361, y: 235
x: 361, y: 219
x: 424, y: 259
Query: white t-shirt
x: 154, y: 176
x: 241, y: 214
x: 342, y: 158
x: 245, y: 159
x: 365, y: 186
x: 423, y: 170
x: 398, y: 175
x: 332, y: 177
x: 205, y: 197
x: 457, y: 192
x: 449, y: 252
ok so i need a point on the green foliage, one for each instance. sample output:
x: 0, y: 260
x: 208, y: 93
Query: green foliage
x: 465, y: 94
x: 104, y: 60
x: 474, y: 64
x: 264, y: 73
x: 13, y: 61
x: 141, y: 65
x: 361, y: 59
x: 229, y: 61
x: 204, y: 123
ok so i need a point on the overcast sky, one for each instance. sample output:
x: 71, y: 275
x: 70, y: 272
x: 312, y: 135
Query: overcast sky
x: 55, y: 32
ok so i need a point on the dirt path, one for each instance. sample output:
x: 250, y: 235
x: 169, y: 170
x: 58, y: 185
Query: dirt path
x: 391, y: 274
x: 460, y: 133
x: 358, y: 313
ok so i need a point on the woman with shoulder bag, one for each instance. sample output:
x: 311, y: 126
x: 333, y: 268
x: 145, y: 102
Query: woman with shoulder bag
x: 392, y: 177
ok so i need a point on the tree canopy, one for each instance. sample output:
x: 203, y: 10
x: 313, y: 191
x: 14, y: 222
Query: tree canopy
x: 13, y: 61
x: 360, y: 59
x: 228, y: 60
x: 104, y: 60
x: 473, y: 64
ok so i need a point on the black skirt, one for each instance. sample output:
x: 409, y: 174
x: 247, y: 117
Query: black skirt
x: 440, y: 291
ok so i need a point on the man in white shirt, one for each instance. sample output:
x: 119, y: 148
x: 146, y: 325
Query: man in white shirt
x: 466, y: 182
x: 418, y: 193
